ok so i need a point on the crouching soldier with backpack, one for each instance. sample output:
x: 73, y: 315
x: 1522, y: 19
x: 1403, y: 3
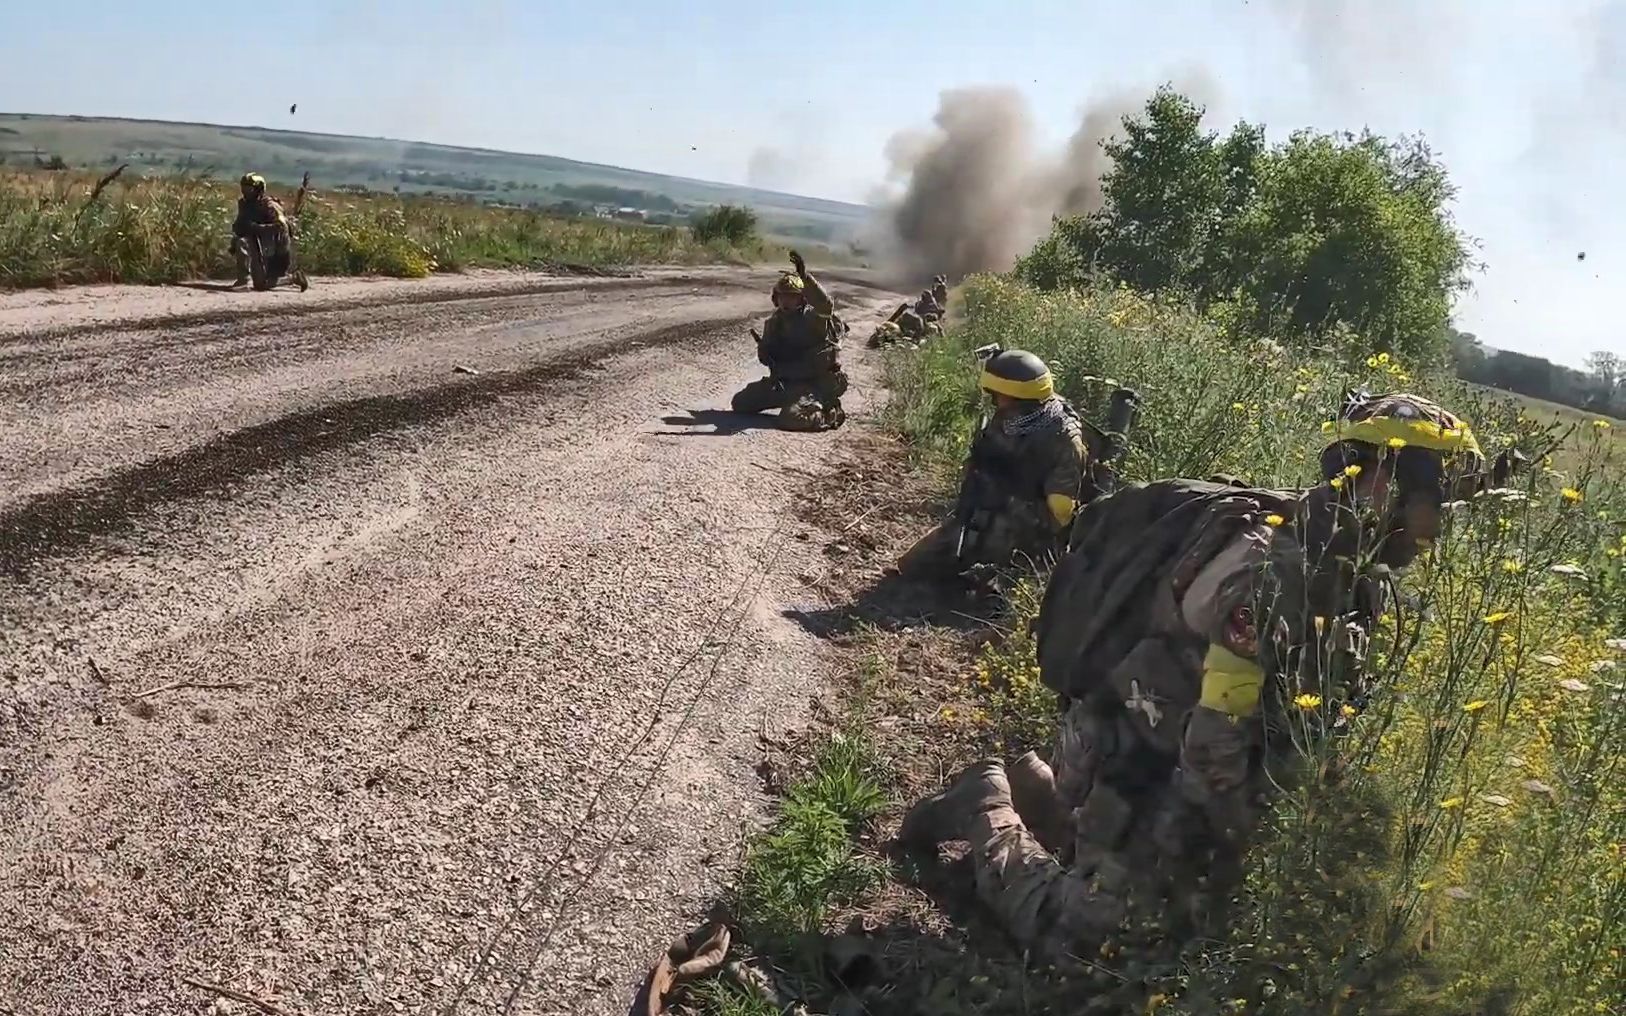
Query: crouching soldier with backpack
x: 1191, y: 629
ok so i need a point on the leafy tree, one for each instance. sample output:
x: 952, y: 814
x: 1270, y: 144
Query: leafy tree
x: 1322, y: 233
x: 1353, y: 231
x: 1608, y: 378
x: 1162, y: 197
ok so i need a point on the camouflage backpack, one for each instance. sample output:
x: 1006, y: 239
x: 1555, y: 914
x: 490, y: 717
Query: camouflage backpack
x: 1122, y: 546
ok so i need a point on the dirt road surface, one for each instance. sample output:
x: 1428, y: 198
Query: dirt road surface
x: 394, y: 647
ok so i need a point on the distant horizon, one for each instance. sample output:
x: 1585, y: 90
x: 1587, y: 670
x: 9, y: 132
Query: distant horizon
x: 444, y: 145
x: 1456, y: 322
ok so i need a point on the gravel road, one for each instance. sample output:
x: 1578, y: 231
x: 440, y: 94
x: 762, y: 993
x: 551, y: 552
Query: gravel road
x: 392, y: 647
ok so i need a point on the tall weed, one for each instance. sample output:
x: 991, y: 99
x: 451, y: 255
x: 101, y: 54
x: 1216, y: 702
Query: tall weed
x: 1471, y: 855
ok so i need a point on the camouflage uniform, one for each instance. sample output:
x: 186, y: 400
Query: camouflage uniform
x: 1026, y: 453
x: 260, y: 210
x: 805, y: 381
x: 1175, y: 601
x: 940, y: 293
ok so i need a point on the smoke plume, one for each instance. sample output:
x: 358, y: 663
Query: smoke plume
x: 978, y: 190
x: 770, y: 169
x: 969, y: 203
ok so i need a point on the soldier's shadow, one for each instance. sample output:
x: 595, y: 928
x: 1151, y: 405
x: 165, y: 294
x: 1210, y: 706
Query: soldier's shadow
x: 723, y: 423
x: 919, y: 590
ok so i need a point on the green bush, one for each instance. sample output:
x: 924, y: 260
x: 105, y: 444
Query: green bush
x: 731, y: 224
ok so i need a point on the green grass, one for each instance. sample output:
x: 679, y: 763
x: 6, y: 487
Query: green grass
x: 1471, y: 860
x: 806, y: 864
x: 170, y: 229
x: 719, y: 997
x: 804, y: 867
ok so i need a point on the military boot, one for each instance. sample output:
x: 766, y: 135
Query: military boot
x: 947, y: 814
x: 1033, y: 794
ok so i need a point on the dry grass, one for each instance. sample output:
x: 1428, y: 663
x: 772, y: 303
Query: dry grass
x: 170, y: 229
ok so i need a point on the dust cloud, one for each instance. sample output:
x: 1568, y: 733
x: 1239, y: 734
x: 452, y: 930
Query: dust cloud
x: 976, y: 191
x: 770, y: 169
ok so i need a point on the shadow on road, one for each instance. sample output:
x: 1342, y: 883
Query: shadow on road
x: 723, y: 423
x: 923, y: 588
x: 213, y: 287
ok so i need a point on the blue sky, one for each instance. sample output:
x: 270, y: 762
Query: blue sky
x: 1522, y: 98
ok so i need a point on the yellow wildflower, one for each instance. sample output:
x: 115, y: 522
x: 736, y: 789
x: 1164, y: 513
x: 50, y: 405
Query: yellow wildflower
x: 1383, y: 357
x: 1572, y: 495
x: 1371, y: 361
x: 1307, y: 701
x: 1337, y: 483
x: 1498, y: 617
x: 1451, y: 802
x: 1512, y: 567
x: 1601, y: 424
x: 1239, y: 407
x: 1348, y: 710
x: 1397, y: 443
x: 1352, y: 471
x: 1475, y: 706
x: 1274, y: 520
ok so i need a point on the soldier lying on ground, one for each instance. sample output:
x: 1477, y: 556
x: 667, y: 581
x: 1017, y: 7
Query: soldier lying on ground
x: 1192, y: 629
x: 905, y: 325
x: 799, y: 345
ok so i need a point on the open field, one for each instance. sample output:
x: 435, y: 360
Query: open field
x: 382, y: 164
x: 175, y: 229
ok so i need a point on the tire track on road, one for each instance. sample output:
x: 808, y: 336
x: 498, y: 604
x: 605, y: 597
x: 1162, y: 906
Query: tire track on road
x: 58, y: 523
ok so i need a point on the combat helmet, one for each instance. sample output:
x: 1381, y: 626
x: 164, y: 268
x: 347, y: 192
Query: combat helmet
x: 1430, y: 446
x: 1018, y: 374
x: 252, y: 180
x: 788, y: 285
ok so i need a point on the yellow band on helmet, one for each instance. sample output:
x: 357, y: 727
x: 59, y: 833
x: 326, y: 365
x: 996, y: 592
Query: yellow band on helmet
x: 1231, y: 684
x: 1385, y: 430
x: 1062, y: 507
x: 1037, y: 390
x: 788, y: 284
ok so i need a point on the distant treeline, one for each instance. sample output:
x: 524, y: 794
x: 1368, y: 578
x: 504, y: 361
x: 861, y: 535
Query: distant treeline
x: 620, y: 197
x: 1600, y: 388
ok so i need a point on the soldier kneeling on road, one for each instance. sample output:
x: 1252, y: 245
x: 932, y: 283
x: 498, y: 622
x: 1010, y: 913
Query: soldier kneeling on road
x: 1198, y: 634
x: 258, y: 209
x: 800, y: 346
